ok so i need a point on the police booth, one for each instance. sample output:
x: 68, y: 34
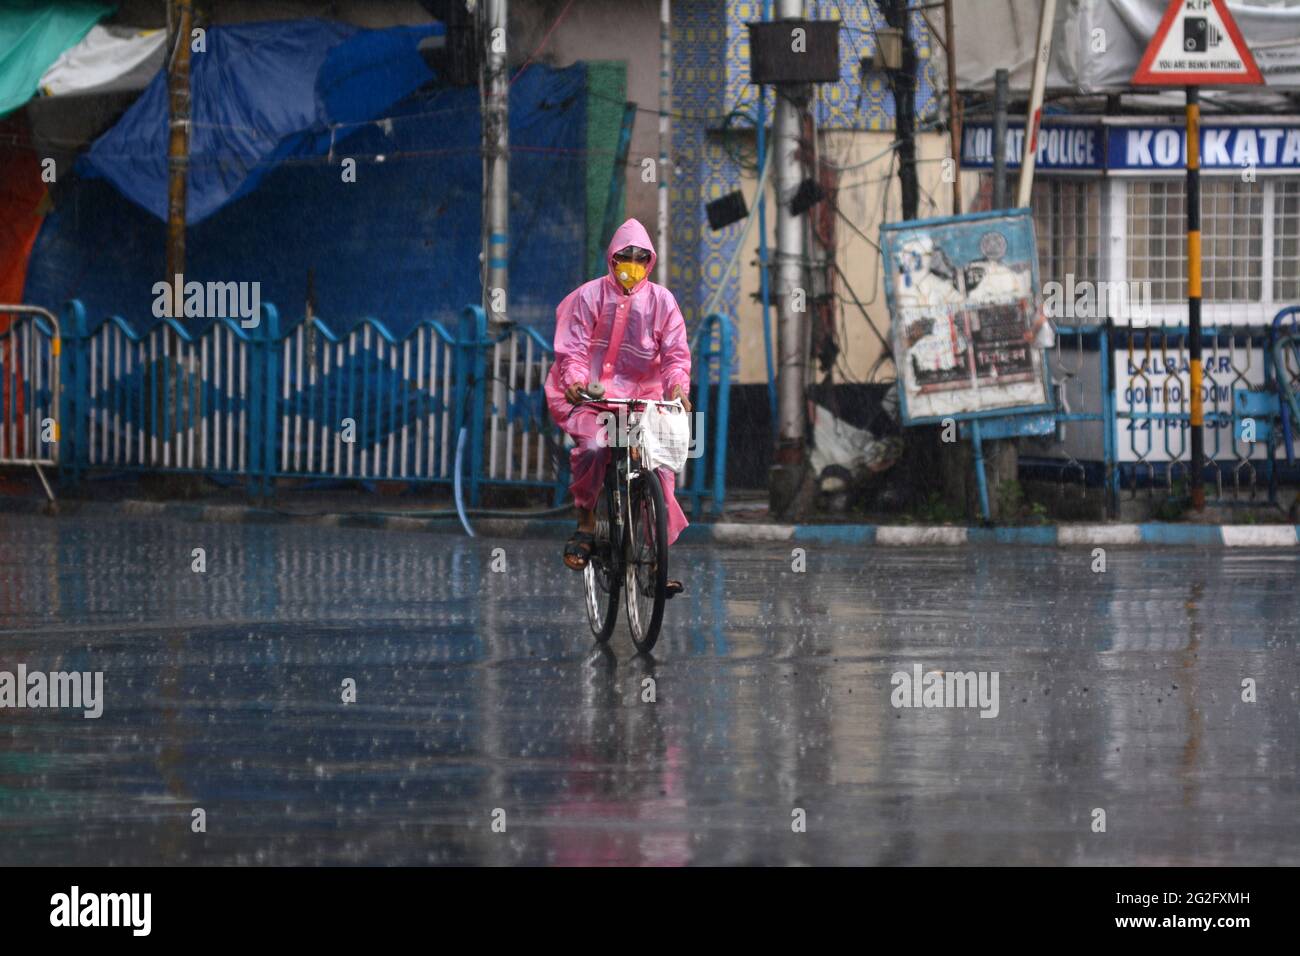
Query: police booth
x: 1110, y: 219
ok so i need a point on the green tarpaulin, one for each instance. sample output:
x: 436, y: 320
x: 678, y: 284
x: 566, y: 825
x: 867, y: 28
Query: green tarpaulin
x: 32, y: 36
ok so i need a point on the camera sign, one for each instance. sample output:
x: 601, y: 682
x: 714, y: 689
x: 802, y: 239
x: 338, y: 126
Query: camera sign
x: 1197, y: 44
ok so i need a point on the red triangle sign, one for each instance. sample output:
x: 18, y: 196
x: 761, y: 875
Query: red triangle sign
x: 1197, y: 44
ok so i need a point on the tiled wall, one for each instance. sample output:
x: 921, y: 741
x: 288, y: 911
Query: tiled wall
x: 710, y: 79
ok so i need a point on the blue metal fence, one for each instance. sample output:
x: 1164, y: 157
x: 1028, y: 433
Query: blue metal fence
x: 713, y: 345
x: 1143, y: 407
x: 299, y: 400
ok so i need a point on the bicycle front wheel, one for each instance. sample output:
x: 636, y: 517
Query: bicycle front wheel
x: 646, y: 560
x: 601, y: 575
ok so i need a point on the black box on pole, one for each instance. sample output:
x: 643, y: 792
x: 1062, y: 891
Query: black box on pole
x: 780, y: 53
x: 724, y: 211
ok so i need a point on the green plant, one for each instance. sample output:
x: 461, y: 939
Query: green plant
x: 1174, y: 507
x: 1010, y: 499
x: 936, y: 511
x: 1171, y: 509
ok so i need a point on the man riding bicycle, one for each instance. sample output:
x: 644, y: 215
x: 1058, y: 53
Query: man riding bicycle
x: 627, y: 333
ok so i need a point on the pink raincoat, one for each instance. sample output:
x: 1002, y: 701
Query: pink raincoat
x: 634, y: 343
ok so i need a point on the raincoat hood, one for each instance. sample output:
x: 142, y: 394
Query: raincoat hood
x: 631, y: 233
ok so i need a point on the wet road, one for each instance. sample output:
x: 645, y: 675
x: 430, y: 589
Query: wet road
x: 480, y: 696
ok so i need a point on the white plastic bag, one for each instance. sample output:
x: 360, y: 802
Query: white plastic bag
x: 664, y: 435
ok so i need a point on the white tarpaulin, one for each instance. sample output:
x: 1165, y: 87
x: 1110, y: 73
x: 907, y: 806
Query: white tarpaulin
x: 1097, y: 44
x: 109, y: 59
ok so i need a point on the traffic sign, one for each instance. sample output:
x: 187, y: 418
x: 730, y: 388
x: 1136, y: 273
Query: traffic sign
x: 1197, y: 44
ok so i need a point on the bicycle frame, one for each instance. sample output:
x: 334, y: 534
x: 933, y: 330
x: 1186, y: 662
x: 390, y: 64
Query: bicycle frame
x: 625, y: 472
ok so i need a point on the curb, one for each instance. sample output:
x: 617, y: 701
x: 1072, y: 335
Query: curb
x: 903, y: 536
x: 1149, y: 535
x: 724, y: 533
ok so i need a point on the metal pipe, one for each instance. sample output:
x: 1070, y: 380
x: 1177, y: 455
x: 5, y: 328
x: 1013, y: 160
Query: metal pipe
x: 1035, y: 117
x: 1000, y: 139
x: 1197, y: 485
x: 456, y: 483
x: 665, y: 136
x: 789, y: 269
x: 496, y: 161
x: 764, y: 278
x: 954, y: 106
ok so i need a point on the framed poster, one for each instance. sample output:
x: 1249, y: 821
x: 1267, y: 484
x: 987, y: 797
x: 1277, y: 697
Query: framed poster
x: 962, y: 295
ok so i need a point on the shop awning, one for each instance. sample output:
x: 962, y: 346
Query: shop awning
x: 33, y: 35
x: 108, y: 60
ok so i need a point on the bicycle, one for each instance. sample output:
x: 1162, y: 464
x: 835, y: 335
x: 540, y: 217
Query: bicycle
x: 629, y: 559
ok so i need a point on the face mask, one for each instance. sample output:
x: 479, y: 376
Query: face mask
x: 629, y: 274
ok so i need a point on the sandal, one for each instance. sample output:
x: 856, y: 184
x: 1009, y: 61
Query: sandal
x: 672, y: 588
x: 577, y: 550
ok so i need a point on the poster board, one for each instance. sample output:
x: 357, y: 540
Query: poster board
x: 962, y: 294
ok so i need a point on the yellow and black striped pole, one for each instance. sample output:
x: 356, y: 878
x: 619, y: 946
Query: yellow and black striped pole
x: 1194, y: 294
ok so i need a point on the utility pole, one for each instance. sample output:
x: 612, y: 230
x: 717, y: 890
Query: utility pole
x: 902, y: 82
x: 495, y: 100
x: 181, y: 14
x: 788, y: 476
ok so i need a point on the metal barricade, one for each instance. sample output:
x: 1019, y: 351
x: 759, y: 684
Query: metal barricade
x: 166, y: 399
x: 29, y: 389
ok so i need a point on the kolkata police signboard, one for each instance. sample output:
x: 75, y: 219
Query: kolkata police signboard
x: 961, y: 294
x: 1140, y: 147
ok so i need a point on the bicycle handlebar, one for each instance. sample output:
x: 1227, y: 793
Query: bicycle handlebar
x: 674, y: 403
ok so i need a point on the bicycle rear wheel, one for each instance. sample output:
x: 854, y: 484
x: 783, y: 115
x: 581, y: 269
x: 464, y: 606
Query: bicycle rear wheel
x: 646, y: 560
x: 601, y: 577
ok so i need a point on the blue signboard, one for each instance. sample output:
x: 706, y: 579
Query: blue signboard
x: 1222, y: 147
x: 1063, y: 147
x: 962, y: 293
x: 1078, y: 147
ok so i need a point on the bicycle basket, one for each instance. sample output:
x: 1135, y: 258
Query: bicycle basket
x: 664, y: 436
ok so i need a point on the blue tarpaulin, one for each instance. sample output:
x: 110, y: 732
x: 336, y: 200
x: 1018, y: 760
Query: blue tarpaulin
x: 260, y: 93
x: 401, y: 243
